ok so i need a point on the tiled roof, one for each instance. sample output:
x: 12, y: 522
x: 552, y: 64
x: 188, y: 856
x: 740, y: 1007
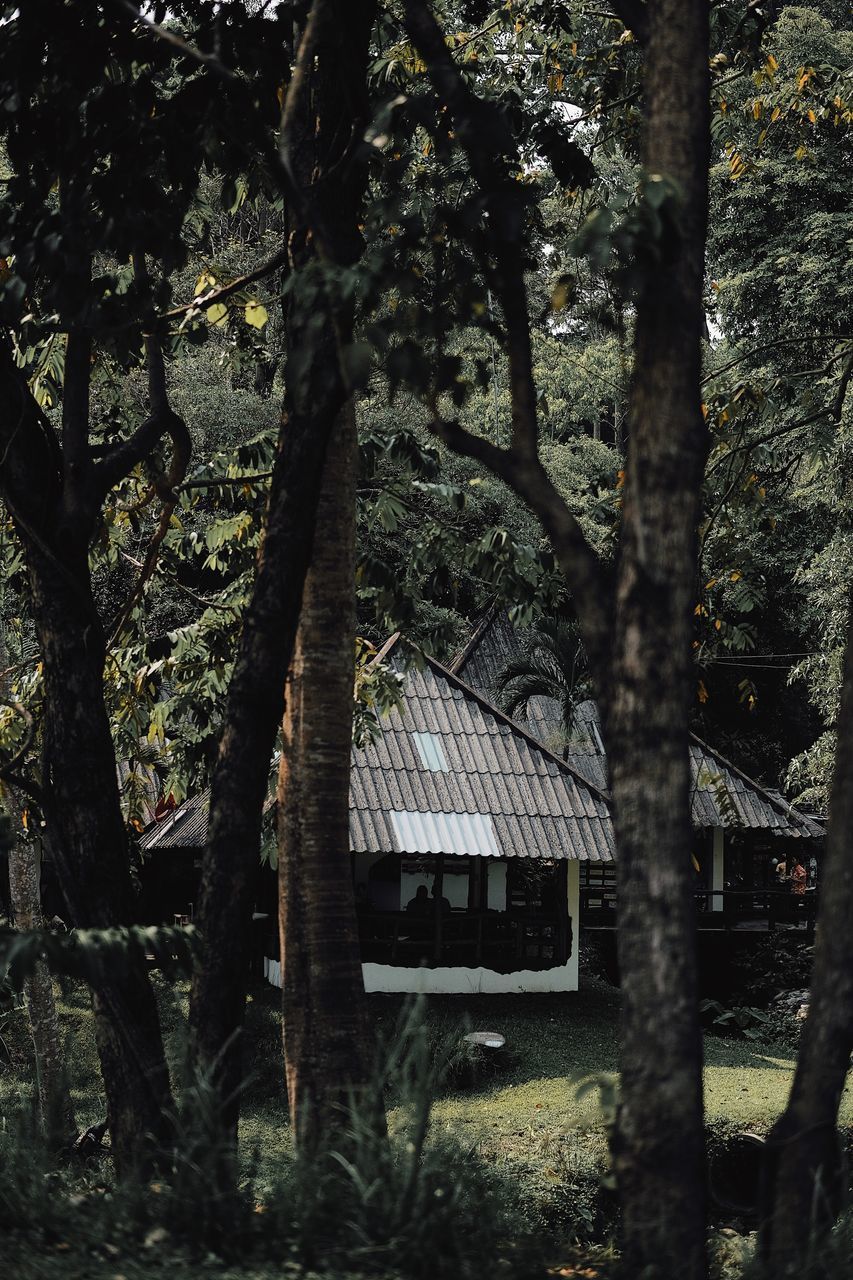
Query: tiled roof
x: 539, y: 806
x: 722, y: 795
x: 502, y: 791
x: 186, y: 826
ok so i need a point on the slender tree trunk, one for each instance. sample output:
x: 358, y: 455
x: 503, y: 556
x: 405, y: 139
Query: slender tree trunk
x: 55, y: 1105
x: 325, y: 1029
x: 659, y: 1145
x: 56, y: 1111
x: 329, y: 106
x: 83, y: 809
x: 803, y: 1188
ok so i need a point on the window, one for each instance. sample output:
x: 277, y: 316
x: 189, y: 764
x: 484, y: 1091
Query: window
x: 431, y: 752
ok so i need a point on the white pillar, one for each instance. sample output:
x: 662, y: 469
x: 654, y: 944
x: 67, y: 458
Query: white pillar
x: 574, y: 891
x: 718, y: 869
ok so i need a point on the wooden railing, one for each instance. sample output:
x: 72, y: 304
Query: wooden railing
x: 494, y: 940
x: 721, y: 909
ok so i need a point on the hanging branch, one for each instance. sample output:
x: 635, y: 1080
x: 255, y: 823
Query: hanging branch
x: 205, y: 300
x: 489, y: 146
x: 164, y: 483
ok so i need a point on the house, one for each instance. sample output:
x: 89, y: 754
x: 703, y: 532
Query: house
x: 467, y: 836
x: 741, y: 828
x: 455, y: 800
x: 481, y: 845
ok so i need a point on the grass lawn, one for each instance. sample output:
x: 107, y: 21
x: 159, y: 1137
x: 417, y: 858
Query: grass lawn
x: 552, y: 1043
x: 524, y: 1116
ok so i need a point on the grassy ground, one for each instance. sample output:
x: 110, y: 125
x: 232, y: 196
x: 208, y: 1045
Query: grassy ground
x: 524, y: 1116
x: 552, y: 1044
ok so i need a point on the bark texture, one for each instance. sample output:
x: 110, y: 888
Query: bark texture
x: 636, y: 623
x: 323, y: 119
x: 54, y: 494
x: 56, y: 1110
x: 803, y: 1185
x: 659, y: 1143
x: 326, y: 1047
x: 89, y: 843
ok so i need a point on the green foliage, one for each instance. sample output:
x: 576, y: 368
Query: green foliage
x: 744, y: 1020
x: 94, y: 955
x: 551, y: 664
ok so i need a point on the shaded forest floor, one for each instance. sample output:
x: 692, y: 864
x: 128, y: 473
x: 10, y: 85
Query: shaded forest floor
x: 521, y: 1117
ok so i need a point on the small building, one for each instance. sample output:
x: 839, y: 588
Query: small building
x: 467, y: 838
x: 481, y: 846
x: 741, y: 829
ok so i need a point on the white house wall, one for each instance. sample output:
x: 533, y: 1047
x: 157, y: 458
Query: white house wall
x: 458, y: 980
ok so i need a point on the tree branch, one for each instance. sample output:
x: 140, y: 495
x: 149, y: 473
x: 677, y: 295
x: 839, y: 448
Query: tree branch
x: 634, y: 15
x: 205, y: 300
x: 769, y: 436
x: 527, y: 477
x: 221, y: 482
x: 487, y: 141
x: 770, y: 346
x: 164, y: 483
x: 207, y: 60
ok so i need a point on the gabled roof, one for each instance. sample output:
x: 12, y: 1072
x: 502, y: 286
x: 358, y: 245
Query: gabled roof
x: 722, y: 794
x: 450, y: 773
x: 534, y: 804
x: 186, y: 826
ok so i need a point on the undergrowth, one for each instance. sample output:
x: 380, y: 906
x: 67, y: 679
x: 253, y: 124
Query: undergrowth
x: 407, y: 1203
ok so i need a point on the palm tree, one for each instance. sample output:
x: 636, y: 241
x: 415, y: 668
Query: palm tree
x: 550, y: 663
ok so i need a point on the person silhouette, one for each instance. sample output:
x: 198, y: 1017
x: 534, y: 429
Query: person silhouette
x: 419, y: 904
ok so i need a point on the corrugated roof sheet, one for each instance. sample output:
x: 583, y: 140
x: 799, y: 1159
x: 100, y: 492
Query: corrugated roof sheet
x: 722, y: 796
x: 467, y: 834
x: 503, y: 790
x: 538, y: 806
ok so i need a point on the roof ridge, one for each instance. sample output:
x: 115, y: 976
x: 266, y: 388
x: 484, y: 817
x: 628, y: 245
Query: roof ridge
x: 777, y: 801
x: 474, y: 639
x: 516, y: 728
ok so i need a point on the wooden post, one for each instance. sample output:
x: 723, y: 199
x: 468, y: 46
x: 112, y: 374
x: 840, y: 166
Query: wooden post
x: 718, y: 869
x: 438, y: 894
x: 562, y: 912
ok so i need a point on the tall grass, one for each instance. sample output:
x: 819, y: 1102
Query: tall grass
x: 408, y: 1202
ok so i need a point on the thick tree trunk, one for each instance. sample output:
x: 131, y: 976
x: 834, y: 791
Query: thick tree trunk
x: 330, y: 106
x: 90, y: 845
x: 659, y: 1144
x: 636, y: 626
x: 802, y: 1185
x: 56, y: 1111
x: 326, y: 1037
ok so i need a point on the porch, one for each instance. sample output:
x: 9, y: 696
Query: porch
x: 499, y: 941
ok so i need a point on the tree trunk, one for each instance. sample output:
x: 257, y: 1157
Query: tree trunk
x: 802, y: 1184
x: 330, y: 105
x: 326, y: 1036
x: 659, y: 1144
x: 90, y: 845
x: 56, y: 1111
